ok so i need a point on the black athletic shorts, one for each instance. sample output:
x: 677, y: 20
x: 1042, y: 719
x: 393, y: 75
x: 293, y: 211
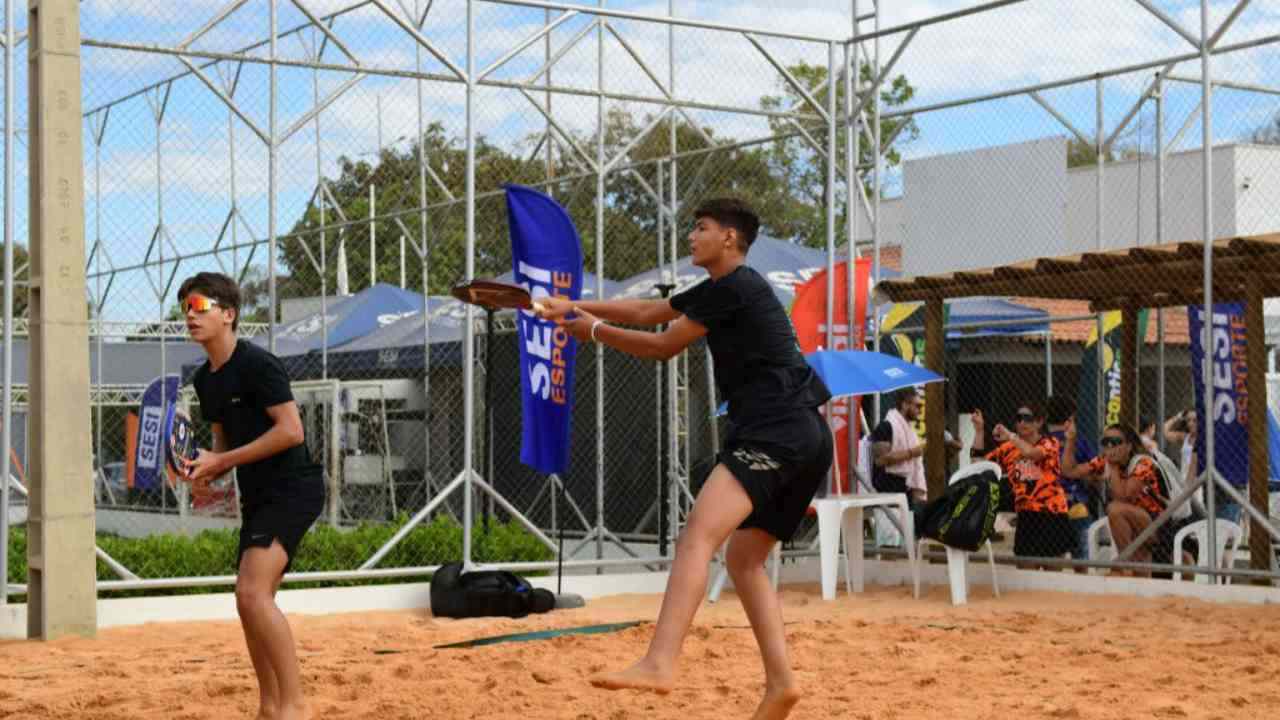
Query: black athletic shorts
x: 283, y: 510
x: 782, y: 473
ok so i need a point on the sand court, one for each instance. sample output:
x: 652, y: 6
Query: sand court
x: 878, y: 655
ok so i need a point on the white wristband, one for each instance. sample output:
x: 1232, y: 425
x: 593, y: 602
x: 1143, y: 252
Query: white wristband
x: 595, y: 325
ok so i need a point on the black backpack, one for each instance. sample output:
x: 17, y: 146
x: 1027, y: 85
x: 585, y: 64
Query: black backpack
x: 485, y: 593
x: 965, y: 516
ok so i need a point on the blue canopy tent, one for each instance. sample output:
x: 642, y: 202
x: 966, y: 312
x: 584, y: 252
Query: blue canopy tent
x: 782, y: 263
x: 971, y: 311
x: 398, y: 348
x: 347, y: 319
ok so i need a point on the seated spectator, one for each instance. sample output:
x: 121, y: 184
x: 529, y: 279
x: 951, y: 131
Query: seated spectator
x: 1030, y: 462
x: 1137, y: 487
x: 897, y: 452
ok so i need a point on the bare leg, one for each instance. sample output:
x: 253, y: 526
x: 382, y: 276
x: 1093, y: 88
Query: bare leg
x: 721, y: 506
x: 1127, y: 522
x: 747, y: 553
x: 260, y: 572
x: 268, y: 685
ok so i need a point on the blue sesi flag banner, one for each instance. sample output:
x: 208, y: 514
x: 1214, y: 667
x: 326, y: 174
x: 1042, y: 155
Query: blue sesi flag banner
x: 158, y: 403
x: 546, y: 259
x: 1219, y: 339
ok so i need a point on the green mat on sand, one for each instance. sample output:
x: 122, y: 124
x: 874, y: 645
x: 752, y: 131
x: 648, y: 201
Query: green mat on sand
x: 543, y: 635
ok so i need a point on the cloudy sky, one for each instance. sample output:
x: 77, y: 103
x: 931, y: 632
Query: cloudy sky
x: 1031, y: 42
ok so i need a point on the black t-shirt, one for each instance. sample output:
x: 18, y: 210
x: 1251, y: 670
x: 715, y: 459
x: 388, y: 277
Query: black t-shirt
x: 237, y: 395
x: 882, y: 434
x: 759, y: 369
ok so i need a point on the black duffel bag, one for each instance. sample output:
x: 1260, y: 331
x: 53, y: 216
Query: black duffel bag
x: 485, y: 593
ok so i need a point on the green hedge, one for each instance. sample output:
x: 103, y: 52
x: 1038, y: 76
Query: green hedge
x: 213, y: 552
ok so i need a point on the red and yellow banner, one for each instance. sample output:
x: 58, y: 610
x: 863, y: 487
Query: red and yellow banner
x: 809, y: 317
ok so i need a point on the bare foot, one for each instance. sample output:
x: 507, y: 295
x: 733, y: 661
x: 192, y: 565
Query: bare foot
x: 641, y: 676
x: 294, y: 712
x: 777, y: 704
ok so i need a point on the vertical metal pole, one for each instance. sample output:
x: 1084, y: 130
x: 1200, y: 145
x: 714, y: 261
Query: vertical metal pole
x: 161, y: 107
x: 600, y: 160
x: 272, y: 187
x: 1048, y: 362
x: 1161, y: 411
x: 402, y: 278
x: 660, y: 395
x: 5, y: 435
x: 324, y: 275
x: 373, y: 235
x: 556, y: 482
x: 674, y: 496
x: 426, y: 261
x: 468, y: 343
x: 1100, y: 381
x: 99, y: 133
x: 851, y: 223
x: 1206, y: 229
x: 231, y: 165
x: 829, y: 198
x: 877, y: 138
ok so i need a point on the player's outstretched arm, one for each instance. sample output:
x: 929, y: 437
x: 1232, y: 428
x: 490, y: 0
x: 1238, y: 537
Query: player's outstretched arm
x: 627, y: 312
x: 652, y: 345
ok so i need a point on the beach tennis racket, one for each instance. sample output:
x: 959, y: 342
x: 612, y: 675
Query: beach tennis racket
x: 495, y: 295
x: 181, y: 447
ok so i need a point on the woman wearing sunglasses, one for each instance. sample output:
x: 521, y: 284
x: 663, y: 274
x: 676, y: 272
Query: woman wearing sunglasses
x: 1135, y: 484
x: 1030, y: 462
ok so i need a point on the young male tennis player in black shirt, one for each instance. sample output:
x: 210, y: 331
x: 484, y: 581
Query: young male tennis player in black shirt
x: 776, y: 455
x: 244, y: 392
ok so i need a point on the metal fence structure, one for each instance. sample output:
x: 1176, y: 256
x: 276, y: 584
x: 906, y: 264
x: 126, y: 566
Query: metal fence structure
x: 312, y: 148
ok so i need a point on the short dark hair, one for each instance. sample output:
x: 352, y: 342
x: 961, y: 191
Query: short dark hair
x: 732, y: 213
x: 903, y: 395
x: 215, y: 286
x: 1060, y: 407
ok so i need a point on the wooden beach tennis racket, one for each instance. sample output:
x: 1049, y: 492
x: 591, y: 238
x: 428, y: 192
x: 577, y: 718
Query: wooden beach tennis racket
x: 495, y: 295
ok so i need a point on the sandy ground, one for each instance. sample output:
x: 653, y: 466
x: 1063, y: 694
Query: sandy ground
x: 878, y: 655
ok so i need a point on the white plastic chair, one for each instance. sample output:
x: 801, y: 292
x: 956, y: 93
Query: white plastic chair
x: 1100, y: 530
x: 958, y: 560
x: 1228, y: 537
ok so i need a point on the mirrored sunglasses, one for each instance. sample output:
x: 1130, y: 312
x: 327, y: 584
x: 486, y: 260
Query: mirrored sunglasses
x: 199, y: 303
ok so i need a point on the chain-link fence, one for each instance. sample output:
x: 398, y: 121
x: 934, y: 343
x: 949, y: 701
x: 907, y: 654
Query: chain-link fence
x: 345, y: 162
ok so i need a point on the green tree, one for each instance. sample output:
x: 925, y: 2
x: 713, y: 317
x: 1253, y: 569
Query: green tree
x: 796, y: 202
x: 1267, y: 133
x: 784, y: 179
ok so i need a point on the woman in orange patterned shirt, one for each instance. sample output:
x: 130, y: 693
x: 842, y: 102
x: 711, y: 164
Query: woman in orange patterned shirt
x: 1030, y: 462
x: 1137, y: 489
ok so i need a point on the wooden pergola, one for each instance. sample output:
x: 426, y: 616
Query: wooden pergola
x: 1245, y: 269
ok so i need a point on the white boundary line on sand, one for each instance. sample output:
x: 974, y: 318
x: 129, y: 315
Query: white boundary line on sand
x: 416, y: 596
